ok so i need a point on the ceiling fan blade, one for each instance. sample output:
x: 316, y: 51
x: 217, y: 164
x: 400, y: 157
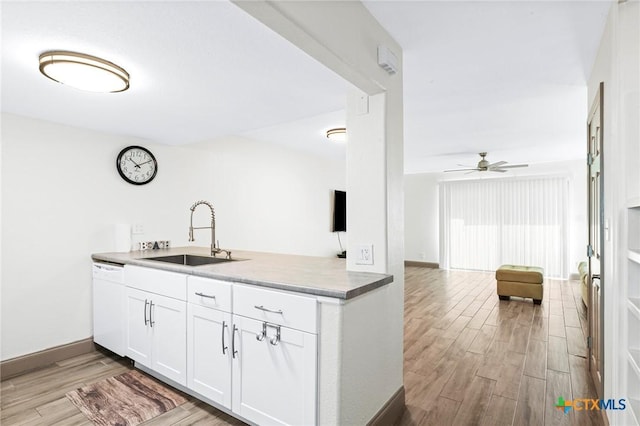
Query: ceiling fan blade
x: 500, y: 170
x: 473, y: 171
x: 498, y: 164
x: 514, y: 166
x: 462, y: 170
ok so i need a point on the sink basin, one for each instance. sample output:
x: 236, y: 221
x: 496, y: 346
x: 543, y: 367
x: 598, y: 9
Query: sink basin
x: 189, y: 259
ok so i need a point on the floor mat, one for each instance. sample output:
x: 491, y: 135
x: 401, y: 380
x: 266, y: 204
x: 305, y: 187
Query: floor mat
x: 125, y: 400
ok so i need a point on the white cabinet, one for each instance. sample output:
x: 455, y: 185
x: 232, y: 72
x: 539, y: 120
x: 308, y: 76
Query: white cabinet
x: 250, y: 350
x: 209, y: 339
x: 261, y: 368
x: 138, y: 336
x: 156, y: 323
x: 275, y: 376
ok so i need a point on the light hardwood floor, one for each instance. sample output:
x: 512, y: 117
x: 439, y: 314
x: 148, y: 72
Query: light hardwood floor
x: 470, y: 359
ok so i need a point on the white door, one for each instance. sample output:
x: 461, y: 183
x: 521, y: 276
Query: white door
x: 273, y: 383
x: 138, y: 331
x: 209, y: 353
x: 595, y: 194
x: 168, y: 322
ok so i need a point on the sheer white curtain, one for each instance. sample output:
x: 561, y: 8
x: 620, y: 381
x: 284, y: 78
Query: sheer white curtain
x: 487, y: 223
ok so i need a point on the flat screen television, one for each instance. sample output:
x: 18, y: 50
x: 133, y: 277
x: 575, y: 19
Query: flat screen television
x: 339, y: 211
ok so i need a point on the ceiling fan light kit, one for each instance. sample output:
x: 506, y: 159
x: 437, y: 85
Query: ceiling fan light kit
x: 84, y: 72
x: 485, y: 166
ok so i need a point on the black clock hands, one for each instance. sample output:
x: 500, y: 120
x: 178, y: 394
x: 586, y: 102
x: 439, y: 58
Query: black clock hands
x: 137, y: 165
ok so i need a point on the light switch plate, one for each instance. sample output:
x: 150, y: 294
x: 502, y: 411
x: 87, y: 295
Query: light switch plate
x: 138, y: 229
x: 364, y: 254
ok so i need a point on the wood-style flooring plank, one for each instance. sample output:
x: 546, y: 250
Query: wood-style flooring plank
x: 500, y: 411
x: 443, y: 412
x: 558, y: 355
x: 530, y: 406
x: 412, y: 416
x: 556, y: 326
x: 483, y: 339
x: 539, y: 328
x: 536, y: 359
x: 558, y: 385
x: 463, y: 376
x: 475, y: 401
x: 576, y: 342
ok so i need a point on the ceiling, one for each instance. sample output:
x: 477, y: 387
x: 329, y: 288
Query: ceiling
x: 504, y: 77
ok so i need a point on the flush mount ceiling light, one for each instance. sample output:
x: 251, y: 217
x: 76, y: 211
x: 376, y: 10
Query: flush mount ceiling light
x: 84, y: 72
x: 337, y: 134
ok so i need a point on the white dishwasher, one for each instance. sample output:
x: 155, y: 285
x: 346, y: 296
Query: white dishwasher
x: 109, y: 320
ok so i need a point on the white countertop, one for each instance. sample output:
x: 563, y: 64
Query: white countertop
x: 321, y: 276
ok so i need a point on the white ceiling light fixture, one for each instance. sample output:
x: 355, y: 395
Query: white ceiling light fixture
x: 84, y: 72
x: 338, y: 134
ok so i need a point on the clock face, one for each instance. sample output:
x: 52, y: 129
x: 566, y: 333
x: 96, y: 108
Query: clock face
x: 137, y: 165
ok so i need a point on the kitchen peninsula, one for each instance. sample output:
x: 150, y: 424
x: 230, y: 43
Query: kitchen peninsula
x: 263, y: 337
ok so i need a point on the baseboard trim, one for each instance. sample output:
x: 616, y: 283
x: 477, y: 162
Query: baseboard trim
x: 391, y: 412
x: 14, y: 366
x: 430, y: 265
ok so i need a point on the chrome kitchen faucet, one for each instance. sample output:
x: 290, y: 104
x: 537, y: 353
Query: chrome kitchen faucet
x: 215, y: 246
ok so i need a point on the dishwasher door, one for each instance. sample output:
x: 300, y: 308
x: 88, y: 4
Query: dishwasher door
x: 109, y: 319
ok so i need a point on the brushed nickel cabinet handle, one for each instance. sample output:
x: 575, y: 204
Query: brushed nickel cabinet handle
x: 262, y: 308
x: 146, y: 321
x: 205, y: 295
x: 260, y: 337
x: 224, y: 347
x: 151, y: 321
x: 233, y: 342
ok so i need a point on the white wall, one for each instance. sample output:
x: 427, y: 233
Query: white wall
x: 421, y: 240
x: 272, y: 198
x: 61, y: 197
x: 422, y: 205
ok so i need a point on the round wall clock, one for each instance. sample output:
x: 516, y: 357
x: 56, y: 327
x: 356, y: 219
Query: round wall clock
x: 136, y: 165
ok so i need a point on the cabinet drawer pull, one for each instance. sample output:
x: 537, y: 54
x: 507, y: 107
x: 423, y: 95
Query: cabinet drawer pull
x: 205, y: 295
x: 262, y: 308
x: 146, y: 321
x: 224, y: 347
x: 275, y: 339
x: 233, y: 341
x: 151, y: 321
x: 260, y: 337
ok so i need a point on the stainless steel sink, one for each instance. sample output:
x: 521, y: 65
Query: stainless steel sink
x: 189, y: 259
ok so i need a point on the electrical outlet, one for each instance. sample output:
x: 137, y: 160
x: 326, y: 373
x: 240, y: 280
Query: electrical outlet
x: 138, y: 229
x: 364, y: 254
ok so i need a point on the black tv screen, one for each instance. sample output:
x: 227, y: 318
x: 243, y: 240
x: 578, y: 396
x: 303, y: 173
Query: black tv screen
x: 339, y: 211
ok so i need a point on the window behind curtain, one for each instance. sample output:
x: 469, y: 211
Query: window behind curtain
x: 487, y: 223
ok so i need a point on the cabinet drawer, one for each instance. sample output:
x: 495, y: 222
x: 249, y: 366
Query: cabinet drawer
x: 289, y: 310
x: 165, y: 283
x: 209, y: 292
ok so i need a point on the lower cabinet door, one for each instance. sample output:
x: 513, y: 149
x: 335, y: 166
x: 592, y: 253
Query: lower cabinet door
x: 209, y: 353
x: 168, y: 322
x: 274, y: 382
x: 138, y: 334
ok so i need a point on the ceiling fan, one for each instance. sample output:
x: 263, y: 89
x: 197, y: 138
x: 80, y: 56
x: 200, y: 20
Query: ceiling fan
x: 485, y: 166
